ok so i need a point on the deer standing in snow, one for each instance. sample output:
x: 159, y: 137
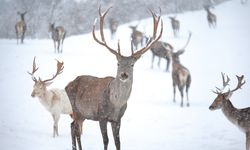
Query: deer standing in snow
x: 58, y: 36
x: 175, y: 25
x: 21, y: 27
x: 55, y: 101
x: 136, y: 36
x: 239, y: 117
x: 211, y: 18
x: 105, y: 99
x: 113, y: 25
x: 162, y: 50
x: 181, y: 76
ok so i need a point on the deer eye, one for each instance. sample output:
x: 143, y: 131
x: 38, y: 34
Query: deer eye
x: 118, y: 64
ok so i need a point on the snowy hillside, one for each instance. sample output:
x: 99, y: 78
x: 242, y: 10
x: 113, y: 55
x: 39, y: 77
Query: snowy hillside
x: 152, y: 121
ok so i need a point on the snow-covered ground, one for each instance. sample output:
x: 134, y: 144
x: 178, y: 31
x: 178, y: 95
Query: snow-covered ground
x: 152, y: 121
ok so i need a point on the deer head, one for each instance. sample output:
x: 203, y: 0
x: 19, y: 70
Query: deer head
x: 51, y: 26
x: 40, y: 86
x: 222, y: 97
x: 22, y: 15
x: 126, y: 63
x: 175, y: 55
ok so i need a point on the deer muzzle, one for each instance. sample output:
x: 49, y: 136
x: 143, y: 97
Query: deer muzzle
x: 123, y: 76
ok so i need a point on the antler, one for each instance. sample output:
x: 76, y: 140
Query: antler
x: 155, y: 38
x: 59, y: 71
x: 139, y: 52
x: 34, y: 69
x: 224, y: 83
x: 103, y: 42
x: 240, y: 83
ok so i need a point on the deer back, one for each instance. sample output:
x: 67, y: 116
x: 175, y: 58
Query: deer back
x: 89, y: 95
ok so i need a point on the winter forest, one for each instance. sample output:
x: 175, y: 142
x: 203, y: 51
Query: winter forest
x: 203, y: 45
x: 77, y: 15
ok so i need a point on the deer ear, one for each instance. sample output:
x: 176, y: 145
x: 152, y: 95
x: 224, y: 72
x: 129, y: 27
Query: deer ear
x: 48, y: 83
x: 228, y: 95
x: 180, y: 51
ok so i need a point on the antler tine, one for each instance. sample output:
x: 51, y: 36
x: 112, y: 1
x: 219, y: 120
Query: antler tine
x: 240, y: 83
x: 34, y: 69
x: 225, y: 82
x: 103, y: 42
x: 155, y: 38
x: 60, y: 68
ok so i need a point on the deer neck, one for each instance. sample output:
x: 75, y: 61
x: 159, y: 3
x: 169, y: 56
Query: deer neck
x: 120, y: 91
x: 230, y: 111
x: 46, y: 99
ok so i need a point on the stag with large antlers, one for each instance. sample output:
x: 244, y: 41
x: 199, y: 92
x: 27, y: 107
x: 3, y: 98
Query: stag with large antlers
x: 180, y: 75
x: 21, y: 27
x: 239, y: 117
x: 55, y: 101
x: 58, y: 36
x: 105, y: 99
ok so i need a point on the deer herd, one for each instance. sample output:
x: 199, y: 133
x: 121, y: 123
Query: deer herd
x: 105, y: 99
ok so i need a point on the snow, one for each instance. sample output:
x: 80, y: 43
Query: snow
x: 152, y: 120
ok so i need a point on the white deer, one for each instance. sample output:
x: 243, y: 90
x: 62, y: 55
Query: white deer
x: 55, y: 101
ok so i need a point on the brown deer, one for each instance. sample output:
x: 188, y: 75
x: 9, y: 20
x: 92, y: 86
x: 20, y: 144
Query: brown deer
x: 137, y: 37
x: 239, y: 117
x: 162, y: 50
x: 181, y: 76
x: 175, y: 25
x: 105, y: 99
x: 58, y: 36
x: 55, y: 101
x: 21, y: 27
x: 113, y: 25
x: 211, y: 18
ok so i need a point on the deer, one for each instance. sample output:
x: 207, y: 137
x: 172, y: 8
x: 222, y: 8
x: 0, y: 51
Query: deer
x: 20, y: 27
x: 58, y: 36
x: 175, y: 25
x: 105, y: 99
x: 136, y: 36
x: 239, y: 117
x: 181, y: 76
x: 55, y: 101
x: 211, y: 18
x: 113, y: 25
x: 162, y: 50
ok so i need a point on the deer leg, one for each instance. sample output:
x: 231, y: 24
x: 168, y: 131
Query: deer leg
x: 55, y: 45
x: 55, y: 127
x: 248, y: 140
x: 159, y: 62
x: 153, y: 58
x: 167, y: 59
x: 174, y: 91
x: 181, y: 92
x: 103, y: 127
x: 58, y: 46
x: 116, y: 133
x: 187, y: 87
x: 73, y: 135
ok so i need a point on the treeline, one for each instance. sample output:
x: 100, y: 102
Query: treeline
x: 77, y: 16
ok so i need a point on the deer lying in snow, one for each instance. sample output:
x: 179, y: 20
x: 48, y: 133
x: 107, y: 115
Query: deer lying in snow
x: 105, y: 99
x: 239, y: 117
x: 55, y: 101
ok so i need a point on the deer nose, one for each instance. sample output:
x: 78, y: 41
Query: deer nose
x: 124, y: 76
x: 211, y: 107
x: 33, y: 94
